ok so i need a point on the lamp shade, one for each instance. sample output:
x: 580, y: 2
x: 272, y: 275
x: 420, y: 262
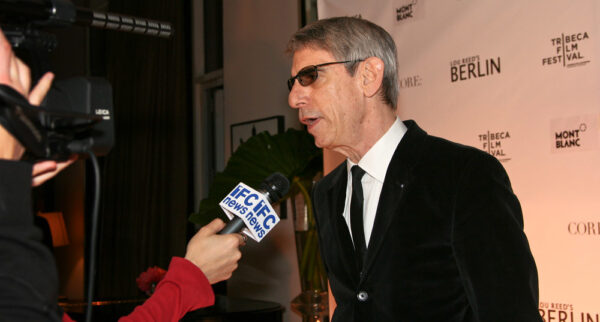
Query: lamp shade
x: 57, y: 227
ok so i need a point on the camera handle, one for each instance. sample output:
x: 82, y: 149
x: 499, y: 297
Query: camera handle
x: 15, y: 117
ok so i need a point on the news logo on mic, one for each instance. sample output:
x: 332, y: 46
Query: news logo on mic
x: 253, y: 207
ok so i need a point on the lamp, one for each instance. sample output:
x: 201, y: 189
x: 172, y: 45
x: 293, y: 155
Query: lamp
x: 57, y: 227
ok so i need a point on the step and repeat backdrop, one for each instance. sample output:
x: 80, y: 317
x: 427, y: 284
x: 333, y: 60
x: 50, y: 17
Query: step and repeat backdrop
x: 521, y: 81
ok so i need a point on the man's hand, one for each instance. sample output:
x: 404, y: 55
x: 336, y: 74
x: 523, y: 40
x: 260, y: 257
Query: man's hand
x: 10, y: 148
x: 14, y: 73
x: 216, y: 255
x: 47, y: 169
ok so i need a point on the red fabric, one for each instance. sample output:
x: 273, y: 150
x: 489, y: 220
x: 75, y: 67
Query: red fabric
x: 184, y: 289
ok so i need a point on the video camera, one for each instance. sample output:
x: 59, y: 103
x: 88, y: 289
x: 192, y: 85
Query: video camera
x: 76, y: 115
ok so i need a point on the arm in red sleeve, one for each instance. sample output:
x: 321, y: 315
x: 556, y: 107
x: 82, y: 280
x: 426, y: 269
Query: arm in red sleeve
x: 184, y: 289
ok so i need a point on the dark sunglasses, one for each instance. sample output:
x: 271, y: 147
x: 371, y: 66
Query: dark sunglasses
x: 309, y: 74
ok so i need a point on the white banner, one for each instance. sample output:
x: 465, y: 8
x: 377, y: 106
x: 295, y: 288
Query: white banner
x: 520, y: 80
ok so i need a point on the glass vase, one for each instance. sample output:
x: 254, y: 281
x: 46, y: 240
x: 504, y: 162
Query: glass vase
x: 312, y: 302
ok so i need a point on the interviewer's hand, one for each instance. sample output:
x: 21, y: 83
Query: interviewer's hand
x: 216, y: 255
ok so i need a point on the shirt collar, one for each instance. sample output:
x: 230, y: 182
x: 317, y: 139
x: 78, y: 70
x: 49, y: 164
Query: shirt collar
x: 375, y: 162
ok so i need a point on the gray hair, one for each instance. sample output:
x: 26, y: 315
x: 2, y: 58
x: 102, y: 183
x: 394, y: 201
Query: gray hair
x: 353, y: 39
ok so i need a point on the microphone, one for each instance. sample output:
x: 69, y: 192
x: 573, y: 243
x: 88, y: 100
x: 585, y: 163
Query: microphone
x: 64, y: 13
x: 251, y: 209
x: 115, y: 21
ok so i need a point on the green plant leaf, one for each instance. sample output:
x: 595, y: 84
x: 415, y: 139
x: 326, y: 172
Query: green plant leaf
x: 292, y: 153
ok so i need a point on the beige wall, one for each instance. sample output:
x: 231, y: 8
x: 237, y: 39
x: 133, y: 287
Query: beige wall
x: 255, y: 67
x: 255, y: 70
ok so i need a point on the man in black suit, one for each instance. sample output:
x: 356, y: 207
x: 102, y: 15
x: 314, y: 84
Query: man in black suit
x: 411, y: 227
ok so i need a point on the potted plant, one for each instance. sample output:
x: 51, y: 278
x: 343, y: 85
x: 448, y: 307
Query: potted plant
x: 293, y: 154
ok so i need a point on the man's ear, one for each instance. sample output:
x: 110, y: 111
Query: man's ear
x: 371, y: 75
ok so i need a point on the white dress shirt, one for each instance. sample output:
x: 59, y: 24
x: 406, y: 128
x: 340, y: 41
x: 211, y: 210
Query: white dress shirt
x: 375, y: 163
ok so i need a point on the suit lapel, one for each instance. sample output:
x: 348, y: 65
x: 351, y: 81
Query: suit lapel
x: 397, y: 180
x: 336, y: 195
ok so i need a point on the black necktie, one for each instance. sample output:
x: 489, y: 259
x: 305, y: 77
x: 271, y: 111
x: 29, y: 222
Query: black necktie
x: 356, y: 216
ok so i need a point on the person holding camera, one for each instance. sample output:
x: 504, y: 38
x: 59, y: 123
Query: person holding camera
x: 28, y: 276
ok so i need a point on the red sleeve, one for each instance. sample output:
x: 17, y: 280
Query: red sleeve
x: 183, y: 289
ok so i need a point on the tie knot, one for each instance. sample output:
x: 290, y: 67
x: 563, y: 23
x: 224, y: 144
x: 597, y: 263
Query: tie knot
x: 357, y: 173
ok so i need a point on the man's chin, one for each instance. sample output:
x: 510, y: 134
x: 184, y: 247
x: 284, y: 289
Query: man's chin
x: 321, y: 144
x: 320, y: 140
x: 318, y: 144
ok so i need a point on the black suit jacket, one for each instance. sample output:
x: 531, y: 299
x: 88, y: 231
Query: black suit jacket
x: 447, y: 243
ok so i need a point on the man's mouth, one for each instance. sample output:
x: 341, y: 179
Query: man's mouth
x: 309, y: 121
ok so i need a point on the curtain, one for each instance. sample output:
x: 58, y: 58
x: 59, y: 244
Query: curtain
x: 146, y: 178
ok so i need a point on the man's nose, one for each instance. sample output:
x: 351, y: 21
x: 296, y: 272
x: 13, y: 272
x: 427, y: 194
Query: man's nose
x: 295, y: 97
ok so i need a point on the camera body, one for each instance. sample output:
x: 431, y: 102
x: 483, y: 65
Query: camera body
x: 77, y: 114
x: 90, y: 100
